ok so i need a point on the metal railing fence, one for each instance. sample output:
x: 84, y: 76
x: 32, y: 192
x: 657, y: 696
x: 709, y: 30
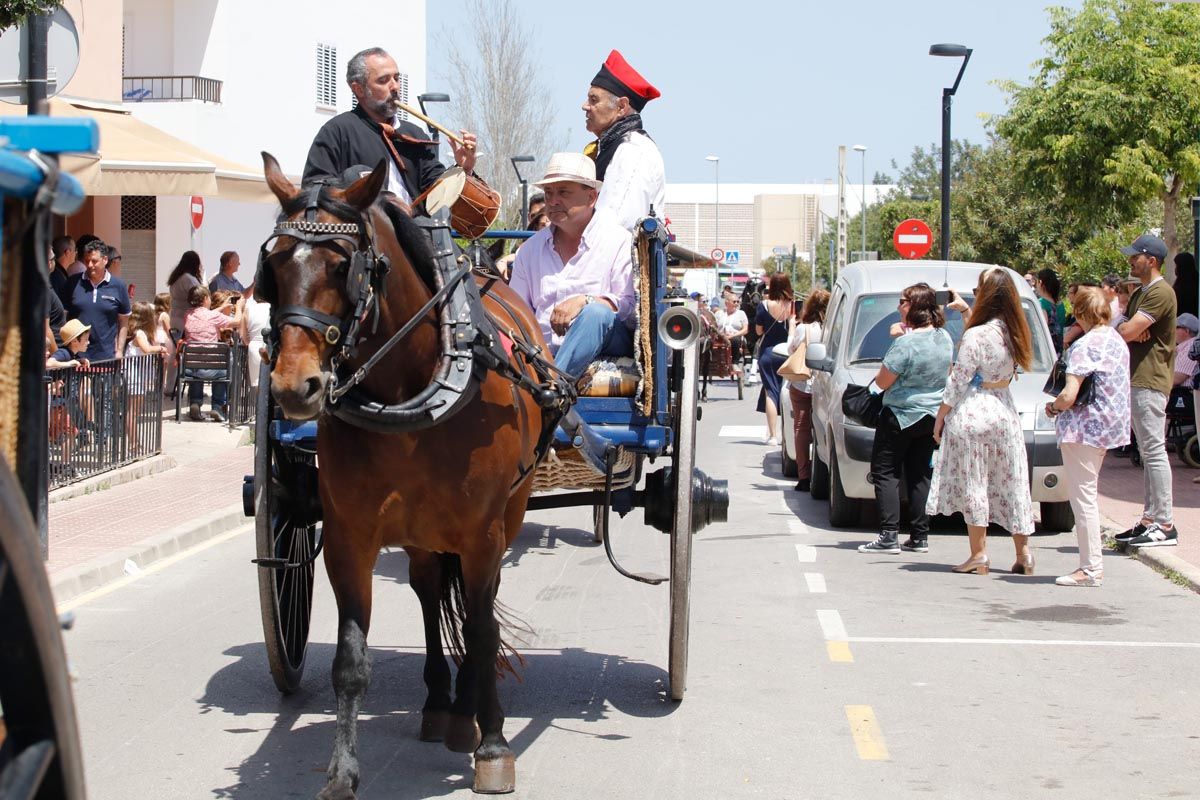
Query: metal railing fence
x: 103, y: 416
x: 166, y: 88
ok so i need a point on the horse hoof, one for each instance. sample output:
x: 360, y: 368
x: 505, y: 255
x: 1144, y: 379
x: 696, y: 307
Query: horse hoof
x: 462, y: 735
x: 434, y: 725
x: 339, y: 789
x: 496, y: 775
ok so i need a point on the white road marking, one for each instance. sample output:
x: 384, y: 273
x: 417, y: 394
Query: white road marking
x: 831, y: 625
x: 796, y: 526
x: 1043, y: 642
x: 815, y: 581
x: 806, y: 553
x: 743, y: 431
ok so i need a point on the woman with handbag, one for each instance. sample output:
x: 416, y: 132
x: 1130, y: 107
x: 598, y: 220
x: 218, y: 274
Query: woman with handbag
x: 808, y: 330
x: 913, y: 375
x: 773, y: 321
x: 981, y: 470
x: 1090, y: 422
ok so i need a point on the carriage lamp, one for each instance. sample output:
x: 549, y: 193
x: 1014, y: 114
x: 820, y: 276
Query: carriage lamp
x: 432, y: 97
x: 679, y: 327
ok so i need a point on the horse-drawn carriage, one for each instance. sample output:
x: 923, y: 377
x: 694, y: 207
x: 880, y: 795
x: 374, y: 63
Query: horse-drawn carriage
x: 591, y: 451
x: 39, y: 743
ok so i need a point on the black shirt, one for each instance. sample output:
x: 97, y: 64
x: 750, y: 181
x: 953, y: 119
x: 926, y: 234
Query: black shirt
x: 56, y: 314
x: 352, y: 138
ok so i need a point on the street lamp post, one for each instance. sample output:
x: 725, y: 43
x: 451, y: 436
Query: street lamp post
x: 862, y: 148
x: 950, y: 51
x: 524, y: 187
x: 716, y: 162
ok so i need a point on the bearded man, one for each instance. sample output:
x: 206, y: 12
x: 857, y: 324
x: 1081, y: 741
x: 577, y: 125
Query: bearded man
x: 373, y: 132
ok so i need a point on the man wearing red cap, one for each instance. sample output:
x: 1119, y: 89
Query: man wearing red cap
x: 627, y: 160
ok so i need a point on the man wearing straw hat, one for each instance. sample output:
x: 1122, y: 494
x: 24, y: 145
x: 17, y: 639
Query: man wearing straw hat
x: 627, y: 160
x: 577, y: 274
x: 373, y: 132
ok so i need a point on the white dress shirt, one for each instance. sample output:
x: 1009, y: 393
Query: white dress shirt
x: 634, y: 181
x: 603, y: 268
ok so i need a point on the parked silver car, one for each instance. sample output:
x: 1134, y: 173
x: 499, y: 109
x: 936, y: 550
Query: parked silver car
x: 862, y: 309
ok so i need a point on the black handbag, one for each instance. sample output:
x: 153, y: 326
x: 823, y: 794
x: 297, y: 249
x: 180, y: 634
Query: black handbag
x: 861, y: 405
x: 1058, y: 381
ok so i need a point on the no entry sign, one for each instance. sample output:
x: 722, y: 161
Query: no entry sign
x: 196, y: 207
x: 912, y: 238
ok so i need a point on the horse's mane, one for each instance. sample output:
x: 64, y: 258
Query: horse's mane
x: 412, y: 240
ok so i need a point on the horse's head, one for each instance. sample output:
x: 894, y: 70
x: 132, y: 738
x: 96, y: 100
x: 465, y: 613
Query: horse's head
x: 312, y: 274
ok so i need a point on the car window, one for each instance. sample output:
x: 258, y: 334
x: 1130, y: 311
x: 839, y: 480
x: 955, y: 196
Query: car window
x: 875, y: 314
x: 835, y: 330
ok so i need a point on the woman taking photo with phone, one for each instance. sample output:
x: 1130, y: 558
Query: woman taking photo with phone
x: 981, y: 470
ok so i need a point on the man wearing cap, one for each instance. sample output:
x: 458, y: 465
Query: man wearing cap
x: 1186, y: 328
x: 372, y: 132
x: 577, y: 274
x: 627, y: 160
x: 1150, y: 331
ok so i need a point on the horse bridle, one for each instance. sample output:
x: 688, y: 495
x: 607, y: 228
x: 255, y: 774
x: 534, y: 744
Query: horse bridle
x: 365, y: 278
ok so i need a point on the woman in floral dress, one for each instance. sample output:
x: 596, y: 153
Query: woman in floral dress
x: 981, y: 470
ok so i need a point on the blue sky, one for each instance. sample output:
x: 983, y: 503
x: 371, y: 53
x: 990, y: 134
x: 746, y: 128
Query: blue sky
x: 773, y: 88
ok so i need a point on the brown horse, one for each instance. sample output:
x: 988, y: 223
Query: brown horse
x: 452, y: 495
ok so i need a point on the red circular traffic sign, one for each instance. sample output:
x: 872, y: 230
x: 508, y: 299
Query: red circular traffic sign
x: 717, y: 254
x: 912, y: 238
x: 196, y: 207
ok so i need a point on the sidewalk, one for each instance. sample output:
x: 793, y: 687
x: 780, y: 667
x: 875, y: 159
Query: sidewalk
x: 93, y: 535
x: 1121, y: 487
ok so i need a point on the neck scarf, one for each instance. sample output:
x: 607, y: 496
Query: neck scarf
x: 602, y: 149
x: 389, y: 133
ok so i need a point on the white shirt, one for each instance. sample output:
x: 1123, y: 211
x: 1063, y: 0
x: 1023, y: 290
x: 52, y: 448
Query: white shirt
x: 634, y: 181
x: 603, y: 268
x: 732, y: 323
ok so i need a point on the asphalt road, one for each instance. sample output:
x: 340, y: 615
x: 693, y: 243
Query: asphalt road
x: 815, y: 671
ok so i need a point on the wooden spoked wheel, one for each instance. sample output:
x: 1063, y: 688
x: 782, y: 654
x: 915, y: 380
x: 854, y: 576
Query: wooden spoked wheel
x: 684, y: 389
x: 39, y: 739
x: 285, y: 484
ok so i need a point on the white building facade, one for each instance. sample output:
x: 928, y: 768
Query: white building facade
x: 235, y: 78
x: 756, y: 218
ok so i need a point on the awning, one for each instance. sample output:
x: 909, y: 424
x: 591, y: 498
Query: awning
x: 136, y: 158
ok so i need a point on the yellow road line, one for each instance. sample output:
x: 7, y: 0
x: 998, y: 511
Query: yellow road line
x: 157, y: 566
x: 839, y: 652
x: 867, y: 736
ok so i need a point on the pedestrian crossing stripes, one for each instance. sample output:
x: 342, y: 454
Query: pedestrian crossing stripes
x: 743, y: 432
x: 806, y: 553
x: 815, y: 581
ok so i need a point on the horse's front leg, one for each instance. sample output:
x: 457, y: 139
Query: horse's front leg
x: 349, y: 570
x: 495, y: 764
x: 426, y: 578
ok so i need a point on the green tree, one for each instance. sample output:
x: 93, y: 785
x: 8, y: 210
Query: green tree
x: 1111, y: 119
x: 14, y: 12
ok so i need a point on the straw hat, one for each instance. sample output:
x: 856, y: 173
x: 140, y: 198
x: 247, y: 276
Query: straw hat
x: 72, y: 330
x: 570, y: 168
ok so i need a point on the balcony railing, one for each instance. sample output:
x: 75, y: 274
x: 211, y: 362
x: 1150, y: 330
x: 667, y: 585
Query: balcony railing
x: 169, y: 88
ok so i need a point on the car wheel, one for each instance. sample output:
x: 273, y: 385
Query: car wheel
x: 1057, y: 517
x: 842, y: 512
x: 789, y: 464
x: 818, y: 482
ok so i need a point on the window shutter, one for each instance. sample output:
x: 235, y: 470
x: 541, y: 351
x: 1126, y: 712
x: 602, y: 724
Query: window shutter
x: 326, y: 75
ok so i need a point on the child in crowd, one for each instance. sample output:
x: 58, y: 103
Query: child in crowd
x: 140, y: 332
x: 162, y: 336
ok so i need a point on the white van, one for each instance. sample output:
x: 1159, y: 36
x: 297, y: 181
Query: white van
x: 862, y: 309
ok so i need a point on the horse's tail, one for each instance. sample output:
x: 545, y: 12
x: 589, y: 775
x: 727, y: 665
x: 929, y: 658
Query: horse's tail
x: 454, y: 616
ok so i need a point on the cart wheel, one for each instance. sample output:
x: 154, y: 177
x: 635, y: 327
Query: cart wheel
x: 598, y: 523
x: 39, y: 739
x: 741, y: 383
x: 1191, y: 452
x: 284, y: 529
x: 683, y: 462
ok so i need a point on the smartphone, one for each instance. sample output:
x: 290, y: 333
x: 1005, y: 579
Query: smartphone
x: 797, y: 305
x: 942, y: 296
